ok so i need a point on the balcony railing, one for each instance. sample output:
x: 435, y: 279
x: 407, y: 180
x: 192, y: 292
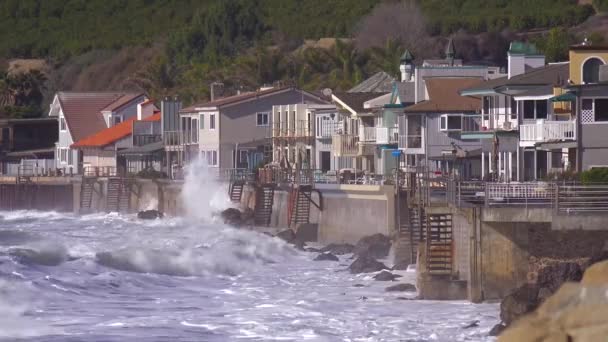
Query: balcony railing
x: 145, y: 139
x: 329, y: 128
x: 543, y: 131
x: 387, y: 135
x: 177, y: 138
x: 488, y: 122
x: 345, y: 145
x: 297, y: 129
x: 367, y: 134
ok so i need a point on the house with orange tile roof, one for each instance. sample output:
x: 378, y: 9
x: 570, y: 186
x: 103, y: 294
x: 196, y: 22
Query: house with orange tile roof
x: 82, y: 114
x: 100, y: 151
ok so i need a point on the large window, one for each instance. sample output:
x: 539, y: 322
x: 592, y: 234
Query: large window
x: 410, y: 131
x: 62, y: 125
x: 116, y: 120
x: 262, y: 119
x: 450, y: 122
x: 211, y: 158
x: 513, y: 109
x: 195, y: 130
x: 535, y: 109
x: 202, y: 121
x: 591, y: 70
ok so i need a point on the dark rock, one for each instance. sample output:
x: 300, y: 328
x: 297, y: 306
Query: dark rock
x: 471, y: 325
x: 232, y: 216
x: 376, y: 246
x: 401, y: 288
x: 287, y: 235
x: 405, y: 298
x: 554, y: 275
x: 299, y: 244
x: 401, y: 266
x: 326, y: 257
x: 338, y: 248
x: 149, y: 215
x: 248, y: 217
x: 363, y: 298
x: 518, y: 303
x: 366, y: 264
x: 386, y: 276
x: 312, y: 250
x: 358, y: 285
x: 307, y: 232
x: 497, y: 330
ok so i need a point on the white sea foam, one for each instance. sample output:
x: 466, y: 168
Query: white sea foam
x: 202, y: 194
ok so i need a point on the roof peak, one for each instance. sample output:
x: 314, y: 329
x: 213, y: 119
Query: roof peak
x: 407, y: 57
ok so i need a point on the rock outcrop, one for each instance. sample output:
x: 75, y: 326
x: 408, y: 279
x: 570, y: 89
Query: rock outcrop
x: 326, y: 257
x: 577, y: 312
x: 149, y: 215
x: 366, y: 264
x: 401, y: 288
x: 287, y: 235
x: 386, y: 276
x: 376, y: 246
x: 238, y: 218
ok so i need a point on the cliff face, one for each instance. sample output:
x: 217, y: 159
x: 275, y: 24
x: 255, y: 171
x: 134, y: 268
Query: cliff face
x: 577, y: 312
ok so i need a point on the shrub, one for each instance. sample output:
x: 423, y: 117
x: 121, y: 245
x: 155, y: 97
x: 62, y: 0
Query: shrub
x: 595, y: 175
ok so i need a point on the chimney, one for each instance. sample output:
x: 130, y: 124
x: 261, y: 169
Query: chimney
x: 406, y: 66
x: 145, y: 109
x: 523, y: 57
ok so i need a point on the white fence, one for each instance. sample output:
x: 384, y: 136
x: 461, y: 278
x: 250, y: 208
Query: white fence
x: 548, y: 131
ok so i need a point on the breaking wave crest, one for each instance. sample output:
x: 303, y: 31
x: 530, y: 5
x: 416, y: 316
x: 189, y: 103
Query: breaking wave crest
x: 220, y: 251
x: 43, y: 253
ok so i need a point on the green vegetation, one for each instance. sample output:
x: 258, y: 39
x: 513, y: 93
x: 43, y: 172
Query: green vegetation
x: 21, y: 94
x: 595, y: 175
x: 495, y: 15
x: 601, y: 5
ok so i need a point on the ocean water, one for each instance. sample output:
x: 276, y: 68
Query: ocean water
x: 108, y: 277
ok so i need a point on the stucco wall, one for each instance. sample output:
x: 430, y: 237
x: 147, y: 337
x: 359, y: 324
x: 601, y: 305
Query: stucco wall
x: 577, y: 58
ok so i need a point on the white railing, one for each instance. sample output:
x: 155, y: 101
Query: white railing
x: 345, y: 145
x: 367, y: 134
x: 387, y: 135
x: 548, y: 131
x: 329, y: 128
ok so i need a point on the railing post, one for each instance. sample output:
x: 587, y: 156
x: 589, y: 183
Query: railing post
x: 556, y: 202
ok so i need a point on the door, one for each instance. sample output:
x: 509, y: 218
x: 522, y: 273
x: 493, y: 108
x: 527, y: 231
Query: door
x: 325, y: 161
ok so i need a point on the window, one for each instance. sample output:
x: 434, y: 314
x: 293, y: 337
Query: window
x: 194, y: 130
x: 211, y: 158
x: 601, y: 110
x: 535, y: 109
x: 212, y: 121
x: 116, y: 120
x: 450, y: 122
x: 63, y: 155
x: 541, y: 109
x: 70, y: 158
x: 62, y: 125
x: 529, y: 109
x: 202, y: 121
x: 513, y: 109
x: 591, y: 70
x: 243, y: 157
x: 262, y: 119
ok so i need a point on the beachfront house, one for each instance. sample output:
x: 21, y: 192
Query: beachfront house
x: 27, y: 145
x: 525, y: 134
x: 234, y: 131
x: 82, y: 114
x: 101, y: 150
x: 430, y: 130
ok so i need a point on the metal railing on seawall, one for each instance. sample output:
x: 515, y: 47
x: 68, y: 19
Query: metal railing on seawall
x: 563, y: 198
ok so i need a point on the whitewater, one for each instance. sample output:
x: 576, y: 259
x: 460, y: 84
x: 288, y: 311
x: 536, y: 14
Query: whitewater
x: 112, y: 277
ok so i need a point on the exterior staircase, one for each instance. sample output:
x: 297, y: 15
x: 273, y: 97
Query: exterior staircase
x: 299, y: 205
x: 87, y: 189
x: 412, y: 225
x: 263, y: 204
x: 118, y: 195
x: 439, y: 244
x: 236, y: 191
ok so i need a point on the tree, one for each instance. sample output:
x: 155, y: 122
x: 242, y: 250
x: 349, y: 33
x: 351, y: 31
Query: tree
x: 555, y: 45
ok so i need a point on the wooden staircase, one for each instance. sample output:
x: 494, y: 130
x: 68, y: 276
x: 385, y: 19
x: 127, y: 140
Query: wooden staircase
x: 264, y: 199
x: 412, y: 229
x: 299, y: 205
x: 439, y: 244
x: 236, y: 191
x: 118, y: 195
x: 87, y: 189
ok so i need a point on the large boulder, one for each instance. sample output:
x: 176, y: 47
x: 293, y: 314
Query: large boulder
x: 149, y: 215
x: 376, y: 246
x: 576, y: 312
x: 232, y: 216
x: 553, y: 275
x: 366, y: 264
x: 326, y: 257
x: 338, y: 248
x: 401, y: 288
x: 386, y: 276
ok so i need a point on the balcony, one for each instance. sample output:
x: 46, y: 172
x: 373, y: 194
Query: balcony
x: 387, y: 135
x: 345, y: 145
x: 180, y: 138
x: 546, y: 131
x: 328, y: 128
x: 367, y: 134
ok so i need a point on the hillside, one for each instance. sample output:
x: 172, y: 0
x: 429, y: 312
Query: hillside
x: 180, y: 46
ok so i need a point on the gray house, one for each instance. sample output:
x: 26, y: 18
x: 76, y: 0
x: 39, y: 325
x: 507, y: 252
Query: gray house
x: 429, y: 131
x: 235, y: 131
